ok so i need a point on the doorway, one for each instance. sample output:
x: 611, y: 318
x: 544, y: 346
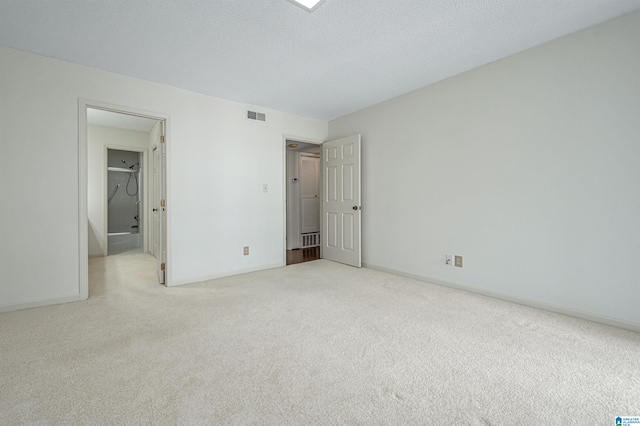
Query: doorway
x: 125, y: 207
x: 123, y: 169
x: 338, y: 194
x: 303, y: 189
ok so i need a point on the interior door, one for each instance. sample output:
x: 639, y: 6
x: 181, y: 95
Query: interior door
x: 341, y: 210
x: 160, y: 185
x: 155, y: 232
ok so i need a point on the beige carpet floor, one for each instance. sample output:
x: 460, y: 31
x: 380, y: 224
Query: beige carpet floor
x: 317, y: 343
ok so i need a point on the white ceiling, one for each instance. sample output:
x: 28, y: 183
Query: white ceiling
x: 122, y: 121
x: 303, y: 146
x: 344, y: 56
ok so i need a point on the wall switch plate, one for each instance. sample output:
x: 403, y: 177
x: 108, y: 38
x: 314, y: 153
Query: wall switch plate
x: 265, y: 187
x: 448, y: 260
x: 246, y: 250
x: 458, y: 261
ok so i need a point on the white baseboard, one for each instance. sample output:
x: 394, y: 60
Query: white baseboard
x: 520, y: 301
x: 38, y: 303
x: 185, y: 281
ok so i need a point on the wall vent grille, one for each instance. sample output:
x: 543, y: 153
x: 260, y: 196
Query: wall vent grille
x: 252, y: 115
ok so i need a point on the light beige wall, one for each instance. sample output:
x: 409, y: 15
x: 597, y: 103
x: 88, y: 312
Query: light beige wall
x: 217, y: 163
x: 293, y: 201
x: 528, y: 167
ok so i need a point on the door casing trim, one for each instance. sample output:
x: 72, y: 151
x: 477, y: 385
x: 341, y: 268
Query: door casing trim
x: 83, y: 237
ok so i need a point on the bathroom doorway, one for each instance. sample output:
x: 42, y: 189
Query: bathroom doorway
x: 124, y: 201
x: 125, y: 189
x: 303, y: 201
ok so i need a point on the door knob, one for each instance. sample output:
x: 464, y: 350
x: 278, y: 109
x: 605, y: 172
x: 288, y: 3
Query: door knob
x: 355, y: 207
x: 155, y: 210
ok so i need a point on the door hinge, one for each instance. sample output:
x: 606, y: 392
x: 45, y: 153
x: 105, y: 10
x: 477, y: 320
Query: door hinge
x: 162, y: 139
x: 162, y: 266
x: 162, y: 203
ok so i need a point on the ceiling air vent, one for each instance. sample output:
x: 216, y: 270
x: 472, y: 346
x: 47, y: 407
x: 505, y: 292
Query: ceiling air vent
x: 252, y: 115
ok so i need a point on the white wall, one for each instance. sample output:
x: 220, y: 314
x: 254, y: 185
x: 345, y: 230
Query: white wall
x: 99, y: 137
x: 293, y: 200
x: 218, y: 161
x: 529, y: 167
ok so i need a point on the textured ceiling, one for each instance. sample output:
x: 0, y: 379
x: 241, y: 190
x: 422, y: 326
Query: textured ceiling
x: 346, y: 55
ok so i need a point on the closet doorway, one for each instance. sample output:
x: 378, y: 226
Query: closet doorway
x: 303, y: 188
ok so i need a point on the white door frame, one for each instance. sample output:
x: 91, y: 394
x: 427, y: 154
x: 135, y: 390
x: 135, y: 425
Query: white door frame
x: 83, y: 238
x: 285, y: 138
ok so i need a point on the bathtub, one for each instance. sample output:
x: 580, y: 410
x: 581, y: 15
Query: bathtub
x: 123, y: 240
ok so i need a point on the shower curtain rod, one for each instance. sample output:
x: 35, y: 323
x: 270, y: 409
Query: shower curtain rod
x: 118, y: 169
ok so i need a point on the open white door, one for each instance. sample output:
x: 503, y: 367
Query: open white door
x: 341, y: 210
x: 154, y: 190
x: 156, y: 222
x: 160, y: 217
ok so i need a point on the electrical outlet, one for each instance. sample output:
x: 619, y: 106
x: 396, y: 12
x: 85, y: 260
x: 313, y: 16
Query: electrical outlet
x: 246, y: 250
x: 448, y: 260
x: 458, y: 261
